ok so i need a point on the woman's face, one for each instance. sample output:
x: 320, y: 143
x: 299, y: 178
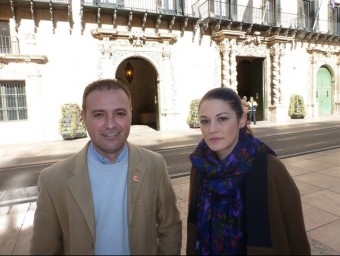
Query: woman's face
x: 220, y: 126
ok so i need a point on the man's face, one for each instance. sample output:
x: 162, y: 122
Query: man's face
x: 108, y: 119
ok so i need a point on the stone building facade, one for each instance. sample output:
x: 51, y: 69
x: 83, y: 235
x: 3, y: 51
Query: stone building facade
x: 179, y: 49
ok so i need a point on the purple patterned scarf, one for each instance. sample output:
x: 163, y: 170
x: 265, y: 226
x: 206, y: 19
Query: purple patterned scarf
x: 219, y: 200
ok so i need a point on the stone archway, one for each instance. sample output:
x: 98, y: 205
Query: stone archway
x: 144, y: 91
x: 157, y: 54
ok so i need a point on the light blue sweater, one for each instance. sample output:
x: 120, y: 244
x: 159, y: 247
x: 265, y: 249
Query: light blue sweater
x: 109, y: 191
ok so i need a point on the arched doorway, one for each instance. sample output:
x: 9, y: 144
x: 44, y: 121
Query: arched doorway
x: 324, y: 91
x: 144, y: 91
x: 250, y: 82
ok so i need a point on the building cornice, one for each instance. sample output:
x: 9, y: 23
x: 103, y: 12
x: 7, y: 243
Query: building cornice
x: 114, y: 34
x: 7, y: 58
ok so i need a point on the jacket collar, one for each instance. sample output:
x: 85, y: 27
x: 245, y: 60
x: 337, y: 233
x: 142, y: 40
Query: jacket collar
x: 80, y: 187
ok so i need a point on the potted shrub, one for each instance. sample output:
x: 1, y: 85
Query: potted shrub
x: 71, y: 126
x: 297, y: 107
x: 193, y: 120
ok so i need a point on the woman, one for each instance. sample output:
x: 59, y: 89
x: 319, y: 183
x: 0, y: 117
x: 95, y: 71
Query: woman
x: 242, y: 199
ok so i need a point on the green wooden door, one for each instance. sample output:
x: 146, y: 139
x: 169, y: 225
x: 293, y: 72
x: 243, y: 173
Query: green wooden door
x: 324, y: 91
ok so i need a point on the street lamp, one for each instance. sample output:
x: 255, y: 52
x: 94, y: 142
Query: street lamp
x: 129, y: 72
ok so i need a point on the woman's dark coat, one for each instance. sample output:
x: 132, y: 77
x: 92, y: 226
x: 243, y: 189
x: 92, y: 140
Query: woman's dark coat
x: 273, y: 211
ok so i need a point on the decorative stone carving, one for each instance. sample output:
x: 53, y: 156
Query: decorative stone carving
x: 215, y: 30
x: 166, y: 54
x: 229, y: 25
x: 82, y: 19
x: 33, y: 17
x: 203, y: 26
x: 254, y: 48
x: 158, y: 23
x: 52, y: 18
x: 255, y: 39
x: 233, y: 65
x: 225, y: 50
x: 172, y: 22
x: 98, y: 18
x: 16, y: 25
x: 194, y: 29
x: 144, y: 21
x: 249, y: 29
x: 114, y: 19
x: 129, y: 25
x: 277, y: 51
x: 137, y: 38
x: 184, y: 25
x: 69, y: 17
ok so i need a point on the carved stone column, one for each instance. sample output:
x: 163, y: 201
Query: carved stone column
x: 276, y: 75
x: 233, y: 65
x: 228, y: 40
x: 225, y: 50
x: 167, y: 100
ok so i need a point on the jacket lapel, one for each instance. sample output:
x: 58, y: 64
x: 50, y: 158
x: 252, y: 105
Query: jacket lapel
x: 79, y: 185
x: 136, y: 173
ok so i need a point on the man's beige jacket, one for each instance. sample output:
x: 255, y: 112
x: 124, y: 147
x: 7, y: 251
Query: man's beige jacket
x: 64, y: 221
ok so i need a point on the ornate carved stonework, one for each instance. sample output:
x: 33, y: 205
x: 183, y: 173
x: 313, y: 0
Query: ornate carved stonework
x: 155, y: 49
x: 251, y: 49
x: 326, y: 50
x: 225, y: 50
x: 276, y: 74
x: 233, y: 65
x: 238, y: 43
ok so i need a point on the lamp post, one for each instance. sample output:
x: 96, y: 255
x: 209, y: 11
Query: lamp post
x: 129, y: 72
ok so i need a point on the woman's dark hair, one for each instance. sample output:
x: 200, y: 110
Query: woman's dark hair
x: 229, y: 96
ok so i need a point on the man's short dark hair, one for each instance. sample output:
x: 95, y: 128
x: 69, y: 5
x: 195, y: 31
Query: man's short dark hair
x: 105, y: 84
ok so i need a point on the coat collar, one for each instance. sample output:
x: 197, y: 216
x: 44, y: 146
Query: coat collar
x: 80, y: 187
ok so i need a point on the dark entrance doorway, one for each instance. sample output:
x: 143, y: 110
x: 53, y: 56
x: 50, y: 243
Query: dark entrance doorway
x: 250, y: 82
x: 144, y: 92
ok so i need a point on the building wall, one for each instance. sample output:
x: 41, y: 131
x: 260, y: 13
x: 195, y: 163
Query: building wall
x: 185, y: 69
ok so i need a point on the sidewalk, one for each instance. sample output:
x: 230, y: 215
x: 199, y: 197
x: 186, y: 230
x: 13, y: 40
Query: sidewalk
x: 317, y: 176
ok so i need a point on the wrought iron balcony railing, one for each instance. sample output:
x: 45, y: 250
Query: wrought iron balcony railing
x: 9, y: 45
x: 150, y: 6
x: 218, y: 10
x: 44, y: 1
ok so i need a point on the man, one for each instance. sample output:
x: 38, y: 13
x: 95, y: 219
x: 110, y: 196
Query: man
x: 112, y: 197
x: 252, y: 110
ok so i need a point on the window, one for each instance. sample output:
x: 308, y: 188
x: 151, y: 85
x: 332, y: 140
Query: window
x: 309, y: 11
x: 268, y: 16
x: 173, y: 6
x: 5, y: 39
x: 13, y: 105
x: 225, y: 9
x: 336, y: 20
